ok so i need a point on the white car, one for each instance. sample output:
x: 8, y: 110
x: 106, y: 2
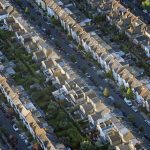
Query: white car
x: 134, y: 109
x: 48, y: 23
x: 15, y: 127
x: 70, y: 45
x: 111, y: 98
x: 94, y: 67
x: 147, y: 121
x: 22, y: 136
x: 26, y: 141
x: 128, y: 102
x: 52, y: 38
x: 43, y: 29
x: 101, y: 88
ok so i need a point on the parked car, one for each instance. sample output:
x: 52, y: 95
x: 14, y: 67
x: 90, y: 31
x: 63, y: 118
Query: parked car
x: 124, y: 114
x: 27, y: 142
x: 101, y: 88
x: 128, y: 102
x: 70, y: 45
x: 147, y: 137
x: 22, y: 136
x: 134, y: 109
x: 4, y: 106
x: 111, y: 98
x: 38, y: 13
x: 147, y: 121
x: 13, y: 140
x: 15, y: 127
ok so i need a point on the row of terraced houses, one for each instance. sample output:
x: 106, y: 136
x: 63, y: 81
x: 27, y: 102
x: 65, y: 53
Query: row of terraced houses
x: 101, y: 51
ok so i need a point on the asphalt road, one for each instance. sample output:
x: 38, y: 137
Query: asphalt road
x: 67, y: 51
x: 7, y: 124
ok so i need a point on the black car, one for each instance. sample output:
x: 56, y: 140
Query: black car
x: 124, y: 114
x: 147, y: 137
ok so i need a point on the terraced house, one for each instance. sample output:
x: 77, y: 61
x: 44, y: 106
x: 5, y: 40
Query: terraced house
x: 100, y: 50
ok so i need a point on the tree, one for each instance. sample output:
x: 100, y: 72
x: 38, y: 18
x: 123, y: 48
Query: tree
x: 26, y: 10
x: 99, y: 19
x: 54, y: 21
x: 141, y: 129
x: 109, y: 74
x: 69, y: 37
x: 84, y: 69
x: 122, y: 89
x: 131, y: 118
x: 106, y: 92
x: 6, y: 34
x: 146, y: 4
x: 75, y: 137
x: 80, y: 47
x: 2, y: 130
x: 86, y: 145
x: 129, y: 94
x: 148, y: 115
x: 88, y: 55
x: 73, y: 58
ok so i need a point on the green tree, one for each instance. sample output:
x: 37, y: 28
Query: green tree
x: 131, y: 118
x: 129, y: 94
x: 4, y: 35
x: 106, y: 92
x: 99, y: 19
x: 109, y: 74
x: 54, y: 21
x: 75, y: 137
x: 69, y: 37
x: 2, y: 130
x: 141, y: 129
x: 84, y: 69
x: 122, y: 89
x: 80, y: 47
x: 146, y: 4
x: 73, y: 58
x: 86, y: 145
x: 26, y: 10
x: 148, y: 115
x: 88, y: 55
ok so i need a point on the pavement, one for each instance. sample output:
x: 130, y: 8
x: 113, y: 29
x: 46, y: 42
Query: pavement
x: 95, y: 78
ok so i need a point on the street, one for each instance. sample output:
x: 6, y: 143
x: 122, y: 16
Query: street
x: 68, y: 51
x: 7, y: 124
